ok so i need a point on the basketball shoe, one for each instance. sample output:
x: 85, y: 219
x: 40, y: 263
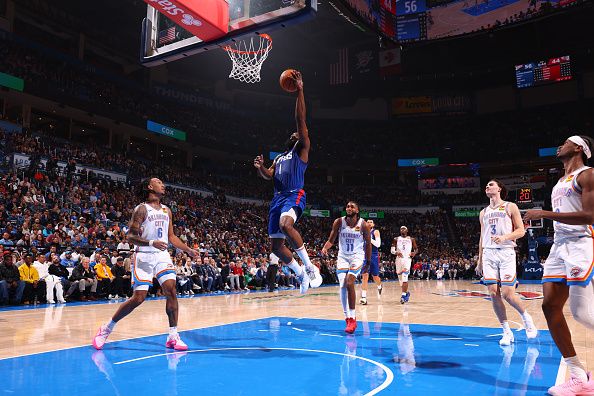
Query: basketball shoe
x: 101, y: 337
x: 303, y: 281
x: 574, y: 387
x: 507, y: 339
x: 351, y: 325
x: 175, y: 342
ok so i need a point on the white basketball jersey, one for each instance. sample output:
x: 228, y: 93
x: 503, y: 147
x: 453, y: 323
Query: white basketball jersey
x: 497, y: 222
x: 404, y: 246
x: 567, y: 197
x: 350, y: 240
x: 155, y: 227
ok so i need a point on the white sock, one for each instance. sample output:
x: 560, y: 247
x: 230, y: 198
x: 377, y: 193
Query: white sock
x: 295, y: 267
x: 379, y: 287
x: 344, y: 301
x: 352, y: 313
x: 364, y: 293
x: 173, y: 331
x: 111, y: 325
x: 505, y: 326
x: 526, y: 317
x: 302, y: 253
x: 576, y: 369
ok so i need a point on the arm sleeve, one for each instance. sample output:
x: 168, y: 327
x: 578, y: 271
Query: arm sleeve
x: 376, y: 242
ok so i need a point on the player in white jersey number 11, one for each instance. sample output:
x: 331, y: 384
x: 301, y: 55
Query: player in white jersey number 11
x: 569, y: 268
x: 354, y: 247
x: 151, y: 231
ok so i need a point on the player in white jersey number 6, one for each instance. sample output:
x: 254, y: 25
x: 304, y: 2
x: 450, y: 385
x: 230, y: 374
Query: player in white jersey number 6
x: 501, y: 225
x: 569, y: 268
x: 151, y: 231
x: 354, y: 247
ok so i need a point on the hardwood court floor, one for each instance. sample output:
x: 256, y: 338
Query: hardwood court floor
x: 30, y: 331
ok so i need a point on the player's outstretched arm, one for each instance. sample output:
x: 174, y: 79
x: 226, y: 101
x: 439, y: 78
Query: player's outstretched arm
x: 300, y: 118
x: 583, y: 217
x: 175, y: 241
x: 332, y: 238
x: 263, y: 172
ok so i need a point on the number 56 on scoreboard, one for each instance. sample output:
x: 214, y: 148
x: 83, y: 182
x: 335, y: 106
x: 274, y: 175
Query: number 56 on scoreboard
x: 404, y: 7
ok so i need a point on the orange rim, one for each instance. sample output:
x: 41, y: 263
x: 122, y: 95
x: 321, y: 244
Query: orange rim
x: 264, y: 36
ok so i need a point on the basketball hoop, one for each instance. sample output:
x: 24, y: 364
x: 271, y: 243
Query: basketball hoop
x: 247, y: 59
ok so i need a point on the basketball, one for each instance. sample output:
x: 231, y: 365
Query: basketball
x: 287, y: 82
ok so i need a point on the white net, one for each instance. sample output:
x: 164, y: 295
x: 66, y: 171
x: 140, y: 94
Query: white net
x: 247, y: 58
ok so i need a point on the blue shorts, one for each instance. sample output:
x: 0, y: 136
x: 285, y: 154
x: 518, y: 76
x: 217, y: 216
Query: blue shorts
x: 372, y: 267
x: 282, y: 203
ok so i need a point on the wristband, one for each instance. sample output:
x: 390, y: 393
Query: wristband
x: 151, y: 242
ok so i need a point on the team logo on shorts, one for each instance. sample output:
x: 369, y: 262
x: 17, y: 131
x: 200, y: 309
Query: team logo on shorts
x: 575, y: 271
x: 507, y: 277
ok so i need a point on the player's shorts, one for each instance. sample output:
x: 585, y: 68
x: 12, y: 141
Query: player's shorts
x: 372, y: 266
x: 146, y: 266
x: 499, y: 266
x: 571, y: 261
x: 403, y: 268
x: 290, y: 204
x: 350, y: 264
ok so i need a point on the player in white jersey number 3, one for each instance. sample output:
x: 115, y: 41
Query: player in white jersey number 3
x: 354, y: 247
x: 569, y: 267
x: 151, y: 231
x: 501, y: 225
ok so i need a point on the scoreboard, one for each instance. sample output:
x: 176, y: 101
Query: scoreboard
x: 543, y: 72
x: 404, y: 20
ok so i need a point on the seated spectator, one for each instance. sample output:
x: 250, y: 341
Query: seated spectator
x: 68, y: 260
x: 105, y: 278
x: 52, y: 283
x: 122, y: 279
x: 61, y: 272
x: 6, y: 241
x: 85, y: 277
x: 34, y: 288
x: 10, y: 281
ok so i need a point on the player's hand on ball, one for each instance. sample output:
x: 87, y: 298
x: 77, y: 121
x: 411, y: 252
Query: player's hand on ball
x: 160, y: 245
x: 533, y: 214
x: 298, y: 80
x: 259, y: 161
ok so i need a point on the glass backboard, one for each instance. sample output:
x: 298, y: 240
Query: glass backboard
x: 163, y: 40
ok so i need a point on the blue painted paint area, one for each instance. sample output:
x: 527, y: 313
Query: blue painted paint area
x: 484, y: 7
x: 296, y: 357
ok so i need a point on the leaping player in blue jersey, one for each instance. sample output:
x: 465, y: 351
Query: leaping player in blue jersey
x: 288, y: 171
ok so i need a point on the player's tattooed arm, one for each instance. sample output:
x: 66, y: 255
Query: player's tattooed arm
x: 136, y: 221
x: 300, y: 119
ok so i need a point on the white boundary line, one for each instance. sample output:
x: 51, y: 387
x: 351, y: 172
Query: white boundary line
x: 384, y: 385
x: 444, y: 339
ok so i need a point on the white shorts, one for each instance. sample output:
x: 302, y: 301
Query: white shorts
x: 570, y: 260
x: 351, y: 264
x: 146, y: 266
x: 403, y: 268
x: 499, y: 266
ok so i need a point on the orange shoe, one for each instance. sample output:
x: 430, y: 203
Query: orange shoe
x: 351, y: 325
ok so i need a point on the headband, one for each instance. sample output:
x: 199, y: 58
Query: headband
x: 582, y: 143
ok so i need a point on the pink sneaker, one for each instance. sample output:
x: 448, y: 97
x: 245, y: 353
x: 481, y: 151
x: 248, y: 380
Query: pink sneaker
x: 573, y: 387
x: 176, y: 343
x: 101, y: 337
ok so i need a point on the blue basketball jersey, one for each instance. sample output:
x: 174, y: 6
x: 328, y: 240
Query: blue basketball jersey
x: 374, y: 250
x: 289, y: 172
